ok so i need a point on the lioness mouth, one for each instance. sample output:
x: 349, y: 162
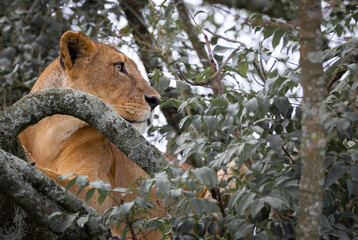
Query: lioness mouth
x: 149, y: 122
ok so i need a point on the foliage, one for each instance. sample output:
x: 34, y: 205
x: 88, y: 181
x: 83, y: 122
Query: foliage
x: 255, y: 121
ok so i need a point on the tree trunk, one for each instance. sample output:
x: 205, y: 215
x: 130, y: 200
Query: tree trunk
x: 314, y: 112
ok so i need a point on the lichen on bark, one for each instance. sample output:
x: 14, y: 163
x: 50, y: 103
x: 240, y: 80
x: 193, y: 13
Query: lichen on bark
x: 314, y: 112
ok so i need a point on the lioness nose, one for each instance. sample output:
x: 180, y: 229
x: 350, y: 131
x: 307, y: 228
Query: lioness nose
x: 153, y: 101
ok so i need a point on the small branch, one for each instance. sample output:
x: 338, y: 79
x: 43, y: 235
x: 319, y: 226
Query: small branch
x: 222, y: 207
x: 261, y: 64
x: 130, y: 226
x: 272, y: 66
x: 288, y: 154
x: 259, y: 72
x: 262, y: 85
x: 213, y: 65
x: 209, y: 79
x: 225, y: 38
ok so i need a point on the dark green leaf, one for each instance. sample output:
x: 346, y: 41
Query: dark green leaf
x: 89, y: 194
x: 277, y: 37
x: 243, y: 67
x: 336, y: 172
x: 71, y: 183
x: 275, y: 143
x: 206, y: 176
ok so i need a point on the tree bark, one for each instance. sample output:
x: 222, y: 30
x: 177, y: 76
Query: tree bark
x: 39, y: 197
x: 313, y: 133
x: 38, y: 105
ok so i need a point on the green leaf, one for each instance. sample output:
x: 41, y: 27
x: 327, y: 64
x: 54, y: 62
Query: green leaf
x: 181, y: 86
x: 54, y: 216
x: 163, y: 84
x: 236, y: 197
x: 243, y: 67
x: 275, y: 201
x: 145, y: 186
x: 336, y: 172
x: 256, y: 207
x: 277, y: 37
x: 275, y: 143
x: 163, y: 186
x: 89, y: 194
x: 233, y: 109
x: 243, y: 230
x: 99, y: 184
x: 244, y: 202
x: 121, y: 190
x: 210, y: 122
x: 126, y: 207
x: 353, y: 171
x: 71, y: 183
x: 206, y: 176
x: 102, y: 196
x: 201, y: 206
x: 200, y: 11
x: 352, y: 187
x: 268, y: 31
x: 204, y: 74
x: 221, y: 49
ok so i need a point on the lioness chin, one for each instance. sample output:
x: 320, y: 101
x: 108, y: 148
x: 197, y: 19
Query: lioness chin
x: 63, y: 144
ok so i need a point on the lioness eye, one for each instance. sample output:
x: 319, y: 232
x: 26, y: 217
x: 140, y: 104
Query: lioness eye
x: 120, y: 67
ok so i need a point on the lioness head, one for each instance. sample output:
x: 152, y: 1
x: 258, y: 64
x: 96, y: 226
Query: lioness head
x: 103, y: 71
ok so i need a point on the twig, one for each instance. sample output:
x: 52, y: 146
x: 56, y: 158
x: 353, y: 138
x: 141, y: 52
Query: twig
x: 130, y: 226
x: 259, y: 72
x: 335, y: 75
x: 262, y: 66
x: 272, y: 66
x: 222, y: 207
x: 209, y: 79
x: 213, y: 65
x: 225, y: 38
x: 288, y: 155
x: 262, y: 85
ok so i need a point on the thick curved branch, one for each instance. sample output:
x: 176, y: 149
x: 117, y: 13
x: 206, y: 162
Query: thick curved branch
x: 38, y: 105
x: 40, y: 197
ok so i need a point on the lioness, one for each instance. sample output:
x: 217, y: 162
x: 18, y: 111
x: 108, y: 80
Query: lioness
x: 63, y: 144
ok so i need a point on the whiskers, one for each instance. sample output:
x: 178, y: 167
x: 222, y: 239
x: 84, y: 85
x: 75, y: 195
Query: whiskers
x: 121, y: 107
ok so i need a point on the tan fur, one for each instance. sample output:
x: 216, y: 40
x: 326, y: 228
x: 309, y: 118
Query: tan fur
x: 63, y: 144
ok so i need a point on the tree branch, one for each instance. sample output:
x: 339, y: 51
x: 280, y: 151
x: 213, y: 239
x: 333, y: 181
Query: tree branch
x: 37, y: 105
x: 192, y: 33
x: 39, y: 197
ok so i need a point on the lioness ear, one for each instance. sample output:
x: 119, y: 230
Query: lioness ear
x: 74, y: 45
